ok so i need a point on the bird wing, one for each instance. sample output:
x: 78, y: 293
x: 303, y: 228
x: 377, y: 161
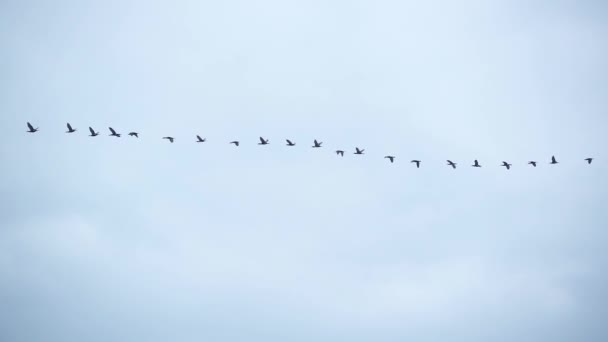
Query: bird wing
x: 289, y: 141
x: 112, y: 130
x: 29, y: 125
x: 91, y: 130
x: 553, y: 159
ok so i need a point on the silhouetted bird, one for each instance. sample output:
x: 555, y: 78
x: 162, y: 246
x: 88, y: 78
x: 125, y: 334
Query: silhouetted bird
x: 236, y: 143
x: 340, y: 153
x: 317, y: 144
x: 533, y: 163
x: 589, y: 160
x: 93, y: 133
x: 70, y: 129
x: 417, y: 163
x: 476, y: 164
x: 114, y: 134
x: 289, y: 143
x: 358, y: 151
x: 199, y: 139
x: 507, y: 165
x: 452, y: 164
x: 31, y: 128
x: 391, y: 158
x: 263, y: 142
x: 553, y: 161
x: 170, y: 139
x: 134, y: 134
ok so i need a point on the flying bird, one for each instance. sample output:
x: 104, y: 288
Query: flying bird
x: 317, y: 144
x: 589, y: 160
x: 391, y: 158
x: 533, y: 163
x: 340, y: 153
x: 263, y: 142
x: 114, y: 134
x: 358, y: 151
x: 93, y: 133
x: 134, y: 134
x: 31, y: 128
x: 476, y: 164
x: 70, y: 129
x: 199, y: 139
x: 236, y: 143
x: 452, y: 164
x: 289, y: 143
x: 507, y: 165
x: 553, y: 161
x: 170, y: 139
x: 417, y: 163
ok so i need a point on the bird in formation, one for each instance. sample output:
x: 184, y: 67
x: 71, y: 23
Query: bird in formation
x: 290, y: 143
x: 340, y: 153
x: 553, y: 161
x: 452, y: 164
x: 93, y: 133
x: 134, y: 134
x: 70, y: 129
x: 263, y: 141
x: 235, y: 143
x: 476, y: 164
x: 358, y: 151
x: 199, y: 139
x: 114, y: 134
x: 31, y: 128
x: 589, y: 160
x: 507, y: 165
x: 533, y: 163
x: 391, y: 158
x: 317, y: 144
x: 170, y: 139
x: 417, y: 163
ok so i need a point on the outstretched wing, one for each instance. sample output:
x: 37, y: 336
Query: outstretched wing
x: 69, y: 127
x: 112, y: 130
x: 91, y: 130
x: 29, y: 125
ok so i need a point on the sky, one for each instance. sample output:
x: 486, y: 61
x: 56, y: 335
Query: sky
x: 125, y: 239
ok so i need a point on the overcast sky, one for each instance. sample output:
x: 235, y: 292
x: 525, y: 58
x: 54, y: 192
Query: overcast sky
x: 125, y: 239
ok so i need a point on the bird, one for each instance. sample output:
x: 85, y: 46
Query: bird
x: 93, y: 133
x: 476, y: 164
x: 70, y: 129
x: 134, y: 134
x: 263, y: 142
x: 359, y: 151
x: 507, y: 165
x: 340, y: 153
x: 31, y: 128
x: 199, y: 139
x: 452, y: 164
x: 533, y: 163
x: 589, y: 160
x: 290, y: 143
x: 553, y: 161
x: 391, y: 158
x: 114, y: 134
x: 236, y: 143
x: 417, y: 163
x: 317, y: 144
x: 170, y: 139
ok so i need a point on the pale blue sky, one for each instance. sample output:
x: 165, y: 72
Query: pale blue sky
x: 140, y: 240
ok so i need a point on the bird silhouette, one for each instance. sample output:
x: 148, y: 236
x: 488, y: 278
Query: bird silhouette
x: 199, y: 139
x: 134, y: 134
x: 31, y: 128
x: 359, y: 151
x: 417, y: 163
x: 476, y: 164
x: 553, y: 160
x: 340, y: 153
x: 290, y: 143
x: 391, y: 158
x: 170, y: 139
x: 93, y: 133
x: 70, y: 129
x: 317, y: 144
x: 507, y: 165
x: 589, y: 160
x: 452, y: 164
x: 533, y: 163
x: 263, y: 142
x: 114, y: 134
x: 235, y: 143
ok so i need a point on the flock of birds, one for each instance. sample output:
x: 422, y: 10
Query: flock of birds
x: 316, y: 144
